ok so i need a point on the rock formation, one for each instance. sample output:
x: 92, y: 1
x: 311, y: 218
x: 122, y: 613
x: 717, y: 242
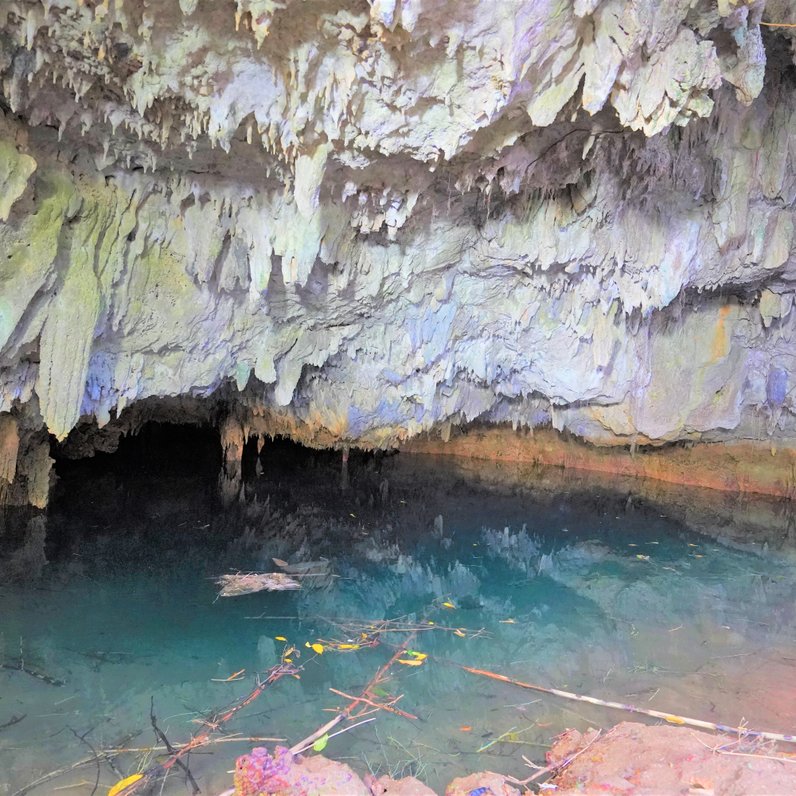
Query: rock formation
x: 352, y: 222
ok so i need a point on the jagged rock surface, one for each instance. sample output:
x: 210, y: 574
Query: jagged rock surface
x: 359, y: 221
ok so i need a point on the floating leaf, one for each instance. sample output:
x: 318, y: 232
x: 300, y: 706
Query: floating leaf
x: 675, y: 719
x: 448, y: 605
x: 641, y: 557
x: 508, y: 621
x: 459, y: 633
x: 465, y: 728
x: 123, y: 783
x: 420, y: 656
x: 280, y: 638
x: 410, y: 661
x: 290, y: 651
x: 320, y: 744
x: 348, y: 646
x: 288, y: 660
x: 279, y: 562
x: 317, y: 648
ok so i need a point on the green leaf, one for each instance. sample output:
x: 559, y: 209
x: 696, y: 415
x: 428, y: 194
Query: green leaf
x: 320, y: 744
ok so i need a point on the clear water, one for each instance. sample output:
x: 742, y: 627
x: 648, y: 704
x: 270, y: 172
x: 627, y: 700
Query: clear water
x: 114, y: 596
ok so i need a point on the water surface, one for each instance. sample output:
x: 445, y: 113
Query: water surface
x: 112, y: 596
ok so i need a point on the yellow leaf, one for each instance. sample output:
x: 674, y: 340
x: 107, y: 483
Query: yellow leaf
x: 290, y: 650
x: 448, y: 605
x: 307, y: 644
x: 348, y: 646
x: 459, y: 633
x: 410, y: 662
x: 675, y: 719
x: 280, y: 638
x: 318, y: 648
x: 420, y: 656
x: 122, y: 784
x: 288, y: 660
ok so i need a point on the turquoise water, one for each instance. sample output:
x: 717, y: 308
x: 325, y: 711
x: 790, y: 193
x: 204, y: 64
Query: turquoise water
x: 112, y: 596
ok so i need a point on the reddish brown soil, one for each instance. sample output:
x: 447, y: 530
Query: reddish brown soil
x: 630, y: 758
x: 733, y: 467
x: 656, y: 761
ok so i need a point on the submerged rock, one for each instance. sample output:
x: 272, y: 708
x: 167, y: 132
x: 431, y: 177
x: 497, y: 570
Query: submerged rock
x: 484, y: 783
x: 285, y: 774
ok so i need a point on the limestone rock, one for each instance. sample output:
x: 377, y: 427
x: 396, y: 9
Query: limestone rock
x: 354, y: 223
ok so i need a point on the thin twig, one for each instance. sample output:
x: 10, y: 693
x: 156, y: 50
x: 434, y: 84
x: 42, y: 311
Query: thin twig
x: 12, y: 721
x: 722, y: 751
x: 388, y: 706
x: 202, y: 738
x: 347, y: 710
x: 241, y: 739
x: 161, y: 736
x: 554, y: 767
x: 82, y: 739
x: 339, y: 732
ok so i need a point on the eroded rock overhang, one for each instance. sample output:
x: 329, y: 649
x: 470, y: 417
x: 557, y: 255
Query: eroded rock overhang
x: 355, y: 222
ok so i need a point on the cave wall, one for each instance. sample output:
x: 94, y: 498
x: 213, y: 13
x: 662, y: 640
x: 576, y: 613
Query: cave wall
x: 354, y: 222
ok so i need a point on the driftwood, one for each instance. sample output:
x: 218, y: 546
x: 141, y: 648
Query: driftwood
x: 672, y: 718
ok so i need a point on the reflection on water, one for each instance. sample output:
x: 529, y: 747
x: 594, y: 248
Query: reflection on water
x: 590, y: 592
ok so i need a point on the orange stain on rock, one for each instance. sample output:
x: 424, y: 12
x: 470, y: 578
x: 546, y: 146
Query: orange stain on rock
x: 721, y: 337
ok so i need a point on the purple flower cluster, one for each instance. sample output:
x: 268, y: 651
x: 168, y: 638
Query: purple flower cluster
x: 260, y: 772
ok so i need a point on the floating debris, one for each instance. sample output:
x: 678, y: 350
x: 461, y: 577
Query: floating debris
x: 250, y: 582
